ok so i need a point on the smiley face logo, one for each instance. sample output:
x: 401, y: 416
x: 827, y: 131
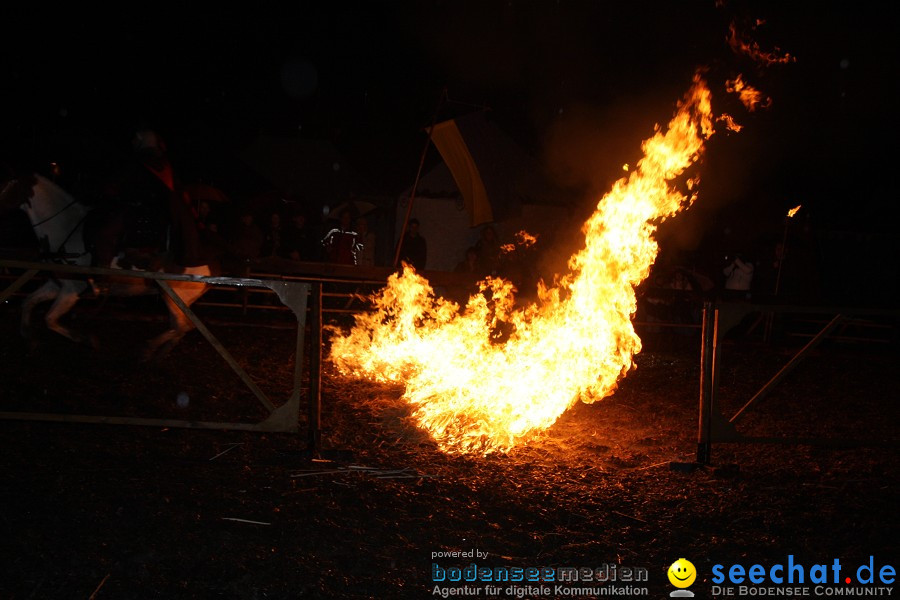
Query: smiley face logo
x: 682, y: 573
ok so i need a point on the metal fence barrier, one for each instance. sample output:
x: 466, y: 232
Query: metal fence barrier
x: 718, y: 319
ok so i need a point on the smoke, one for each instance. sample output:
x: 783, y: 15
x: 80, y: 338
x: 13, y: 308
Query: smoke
x: 541, y: 56
x: 587, y: 83
x: 588, y: 145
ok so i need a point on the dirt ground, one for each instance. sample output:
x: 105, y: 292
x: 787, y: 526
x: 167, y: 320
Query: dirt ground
x: 102, y: 511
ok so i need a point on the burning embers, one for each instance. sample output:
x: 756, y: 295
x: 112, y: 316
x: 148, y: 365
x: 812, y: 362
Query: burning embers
x: 474, y: 393
x: 523, y: 239
x: 750, y: 97
x: 741, y: 43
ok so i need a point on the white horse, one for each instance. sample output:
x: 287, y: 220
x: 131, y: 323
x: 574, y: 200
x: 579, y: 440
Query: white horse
x: 59, y: 222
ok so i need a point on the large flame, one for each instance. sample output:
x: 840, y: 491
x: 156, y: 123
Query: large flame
x: 476, y: 392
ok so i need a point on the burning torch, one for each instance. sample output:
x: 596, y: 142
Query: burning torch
x: 787, y: 222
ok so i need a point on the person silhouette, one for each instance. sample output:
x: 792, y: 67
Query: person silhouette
x: 342, y: 242
x: 144, y: 212
x: 297, y: 241
x: 738, y: 278
x: 488, y: 247
x: 414, y: 249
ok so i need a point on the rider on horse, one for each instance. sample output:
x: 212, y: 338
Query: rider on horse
x: 144, y: 213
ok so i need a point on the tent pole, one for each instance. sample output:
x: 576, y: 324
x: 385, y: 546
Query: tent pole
x: 412, y: 194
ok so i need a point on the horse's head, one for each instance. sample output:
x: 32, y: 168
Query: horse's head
x: 16, y: 192
x: 56, y: 217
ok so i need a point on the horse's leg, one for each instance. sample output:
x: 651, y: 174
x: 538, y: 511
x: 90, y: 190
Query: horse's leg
x: 179, y: 324
x: 65, y: 300
x: 48, y: 291
x: 189, y: 293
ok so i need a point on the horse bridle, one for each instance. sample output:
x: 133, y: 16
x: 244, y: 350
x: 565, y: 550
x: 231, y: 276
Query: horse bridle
x: 56, y: 214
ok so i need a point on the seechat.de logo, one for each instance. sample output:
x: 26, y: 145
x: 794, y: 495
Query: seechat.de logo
x: 791, y: 572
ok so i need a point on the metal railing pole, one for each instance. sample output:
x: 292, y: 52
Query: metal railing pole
x: 315, y: 372
x: 706, y: 381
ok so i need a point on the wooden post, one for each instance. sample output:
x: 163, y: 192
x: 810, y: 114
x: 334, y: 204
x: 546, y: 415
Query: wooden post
x: 412, y: 194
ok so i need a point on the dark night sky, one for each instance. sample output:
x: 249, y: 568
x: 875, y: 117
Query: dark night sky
x: 578, y: 83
